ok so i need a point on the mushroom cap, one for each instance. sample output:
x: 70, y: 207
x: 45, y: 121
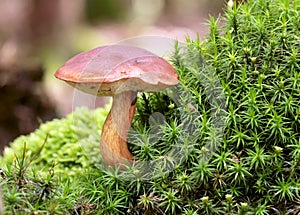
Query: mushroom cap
x: 108, y: 70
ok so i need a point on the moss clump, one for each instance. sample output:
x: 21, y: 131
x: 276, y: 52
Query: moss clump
x: 241, y: 108
x: 41, y: 169
x: 72, y: 144
x: 227, y: 140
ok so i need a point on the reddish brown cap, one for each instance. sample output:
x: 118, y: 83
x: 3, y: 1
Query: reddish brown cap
x: 107, y: 70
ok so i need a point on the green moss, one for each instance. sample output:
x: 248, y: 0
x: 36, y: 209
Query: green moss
x: 72, y: 144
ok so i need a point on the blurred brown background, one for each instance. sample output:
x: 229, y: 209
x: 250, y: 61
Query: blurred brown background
x: 37, y: 36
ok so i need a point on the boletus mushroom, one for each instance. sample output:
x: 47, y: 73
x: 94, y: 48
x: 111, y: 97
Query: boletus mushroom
x: 118, y: 71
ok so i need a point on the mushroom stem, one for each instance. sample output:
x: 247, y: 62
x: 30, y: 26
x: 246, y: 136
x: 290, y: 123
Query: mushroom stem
x: 113, y: 144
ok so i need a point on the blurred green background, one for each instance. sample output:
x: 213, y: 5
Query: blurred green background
x: 37, y: 36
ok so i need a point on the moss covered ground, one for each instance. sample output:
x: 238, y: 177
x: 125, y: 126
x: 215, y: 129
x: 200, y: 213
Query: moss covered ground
x: 226, y: 141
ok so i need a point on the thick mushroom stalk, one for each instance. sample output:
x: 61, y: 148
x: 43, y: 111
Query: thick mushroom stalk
x: 113, y: 143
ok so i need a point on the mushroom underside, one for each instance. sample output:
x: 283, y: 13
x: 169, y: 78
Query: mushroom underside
x: 110, y: 89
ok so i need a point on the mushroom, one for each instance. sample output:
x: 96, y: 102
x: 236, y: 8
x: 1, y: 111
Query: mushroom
x: 118, y: 71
